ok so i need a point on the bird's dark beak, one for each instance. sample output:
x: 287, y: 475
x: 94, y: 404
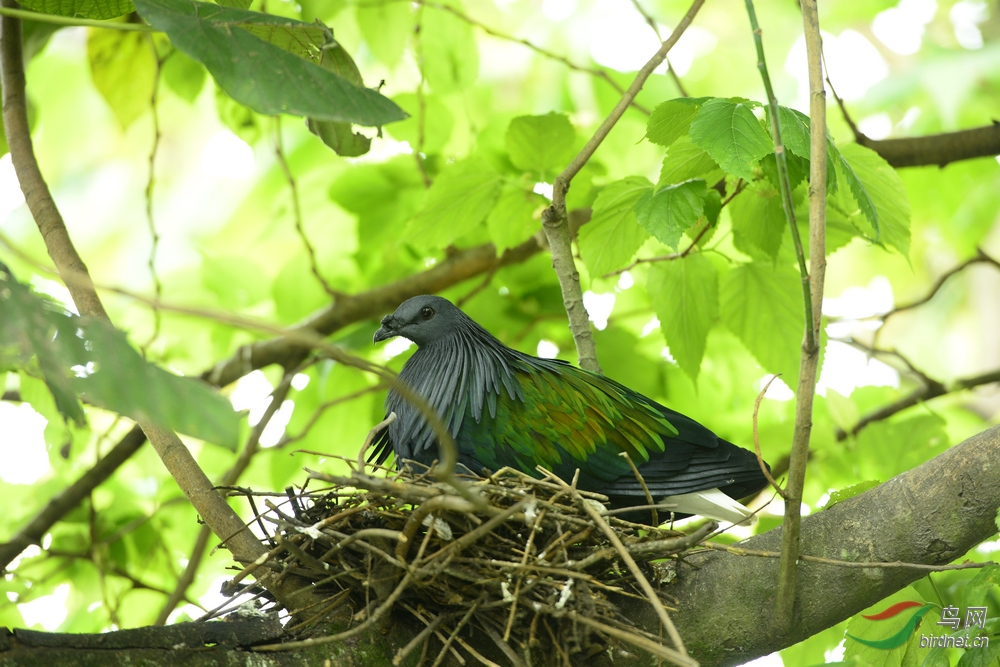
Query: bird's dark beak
x: 387, y: 330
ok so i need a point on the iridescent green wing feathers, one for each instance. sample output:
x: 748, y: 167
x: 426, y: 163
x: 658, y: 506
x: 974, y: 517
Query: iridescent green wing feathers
x: 569, y: 419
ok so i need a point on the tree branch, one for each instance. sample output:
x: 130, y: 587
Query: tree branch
x: 932, y: 515
x: 175, y: 456
x: 554, y: 219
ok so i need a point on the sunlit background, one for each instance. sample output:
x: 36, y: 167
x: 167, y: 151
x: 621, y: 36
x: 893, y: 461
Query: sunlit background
x: 207, y: 177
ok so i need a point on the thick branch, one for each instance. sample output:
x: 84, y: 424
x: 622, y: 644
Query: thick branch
x: 175, y: 456
x: 939, y: 149
x: 932, y: 515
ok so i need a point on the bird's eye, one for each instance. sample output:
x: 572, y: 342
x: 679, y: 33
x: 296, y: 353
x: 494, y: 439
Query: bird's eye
x: 427, y: 312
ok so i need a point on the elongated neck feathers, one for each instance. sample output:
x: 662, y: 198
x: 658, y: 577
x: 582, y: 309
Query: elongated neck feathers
x: 459, y: 374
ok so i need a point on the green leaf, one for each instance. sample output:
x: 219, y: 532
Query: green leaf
x: 685, y: 297
x: 386, y: 28
x: 339, y: 135
x: 512, y: 219
x: 732, y: 135
x: 876, y: 184
x: 451, y: 56
x: 842, y: 409
x: 540, y: 143
x: 260, y: 61
x: 435, y: 117
x: 672, y: 119
x: 79, y: 356
x: 185, y: 76
x: 241, y: 120
x: 670, y: 210
x: 997, y: 519
x: 885, y: 642
x: 125, y: 383
x: 763, y: 306
x: 613, y: 236
x: 123, y: 65
x: 794, y: 131
x: 841, y: 495
x: 758, y: 220
x: 459, y: 200
x: 980, y: 657
x: 90, y: 9
x: 684, y: 161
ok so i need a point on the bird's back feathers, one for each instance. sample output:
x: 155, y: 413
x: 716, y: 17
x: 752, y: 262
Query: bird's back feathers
x: 507, y: 408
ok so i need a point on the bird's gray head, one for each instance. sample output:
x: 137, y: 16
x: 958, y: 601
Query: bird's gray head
x: 422, y: 319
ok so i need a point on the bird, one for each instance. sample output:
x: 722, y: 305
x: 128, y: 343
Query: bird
x: 503, y: 408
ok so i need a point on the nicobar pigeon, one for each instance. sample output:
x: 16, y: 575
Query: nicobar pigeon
x: 507, y: 408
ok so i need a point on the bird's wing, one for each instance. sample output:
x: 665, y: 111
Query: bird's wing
x: 568, y: 419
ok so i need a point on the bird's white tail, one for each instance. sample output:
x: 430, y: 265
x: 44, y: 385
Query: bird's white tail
x: 712, y: 504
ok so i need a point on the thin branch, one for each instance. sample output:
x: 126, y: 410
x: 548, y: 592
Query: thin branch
x: 554, y: 219
x: 809, y: 366
x: 175, y: 456
x: 154, y: 236
x: 27, y: 15
x: 930, y: 390
x: 593, y: 71
x: 293, y: 188
x: 651, y: 22
x: 737, y: 551
x: 687, y: 251
x: 756, y: 440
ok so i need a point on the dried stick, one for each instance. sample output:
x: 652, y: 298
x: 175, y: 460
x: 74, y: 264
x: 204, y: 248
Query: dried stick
x: 756, y: 439
x: 635, y: 570
x: 645, y: 489
x: 554, y: 219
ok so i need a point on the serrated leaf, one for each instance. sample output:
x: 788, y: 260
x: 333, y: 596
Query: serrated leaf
x: 450, y: 52
x: 540, y: 143
x: 386, y: 28
x: 256, y: 59
x: 794, y: 131
x: 91, y: 9
x: 763, y: 306
x: 684, y: 161
x: 758, y: 220
x: 730, y: 133
x: 670, y: 210
x: 613, y: 236
x: 459, y: 200
x: 512, y: 219
x: 123, y: 66
x: 879, y: 193
x: 672, y: 119
x: 685, y: 297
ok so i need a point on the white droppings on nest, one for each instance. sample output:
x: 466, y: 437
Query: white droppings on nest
x: 312, y: 531
x: 441, y: 527
x: 564, y: 594
x: 531, y: 513
x: 601, y: 509
x: 505, y: 590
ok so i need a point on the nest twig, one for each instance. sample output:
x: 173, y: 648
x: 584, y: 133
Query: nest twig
x: 537, y: 566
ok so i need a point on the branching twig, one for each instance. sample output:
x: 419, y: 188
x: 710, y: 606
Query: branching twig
x: 737, y: 551
x: 651, y: 22
x: 808, y: 368
x: 554, y: 219
x: 293, y: 188
x: 600, y: 74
